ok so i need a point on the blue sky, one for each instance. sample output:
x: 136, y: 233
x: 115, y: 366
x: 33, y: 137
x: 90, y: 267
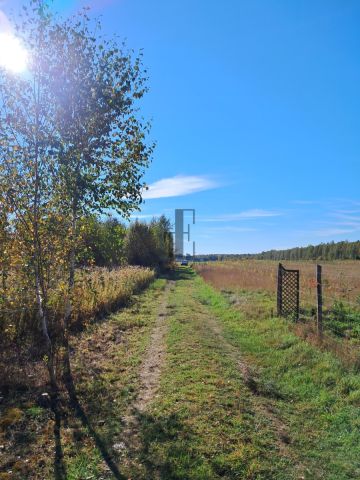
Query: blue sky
x: 256, y: 114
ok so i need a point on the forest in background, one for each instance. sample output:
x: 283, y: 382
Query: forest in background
x: 109, y: 243
x: 324, y: 251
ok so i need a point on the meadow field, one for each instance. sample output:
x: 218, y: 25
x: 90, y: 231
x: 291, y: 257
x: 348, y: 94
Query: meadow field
x: 341, y: 279
x: 341, y: 298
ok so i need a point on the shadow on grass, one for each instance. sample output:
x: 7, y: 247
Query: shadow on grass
x: 167, y: 451
x: 19, y: 426
x: 162, y: 454
x: 100, y: 443
x: 161, y: 432
x: 59, y: 466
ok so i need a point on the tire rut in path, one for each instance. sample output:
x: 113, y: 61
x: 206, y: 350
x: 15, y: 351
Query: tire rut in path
x: 261, y: 404
x: 149, y: 378
x: 154, y: 358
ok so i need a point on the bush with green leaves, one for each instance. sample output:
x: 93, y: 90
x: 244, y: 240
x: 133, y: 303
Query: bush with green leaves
x: 150, y: 245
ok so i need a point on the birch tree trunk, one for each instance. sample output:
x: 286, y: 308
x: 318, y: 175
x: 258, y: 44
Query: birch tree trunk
x: 69, y: 300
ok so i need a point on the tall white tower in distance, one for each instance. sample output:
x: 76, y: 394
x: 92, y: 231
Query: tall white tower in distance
x: 179, y: 231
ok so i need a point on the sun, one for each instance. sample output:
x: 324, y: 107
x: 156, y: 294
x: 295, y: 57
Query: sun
x: 13, y: 56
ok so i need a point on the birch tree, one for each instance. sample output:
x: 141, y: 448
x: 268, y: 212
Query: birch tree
x: 72, y: 144
x: 28, y: 164
x: 102, y: 148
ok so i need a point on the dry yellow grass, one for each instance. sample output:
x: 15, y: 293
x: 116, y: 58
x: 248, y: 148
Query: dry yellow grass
x: 341, y: 283
x: 99, y: 290
x: 341, y: 279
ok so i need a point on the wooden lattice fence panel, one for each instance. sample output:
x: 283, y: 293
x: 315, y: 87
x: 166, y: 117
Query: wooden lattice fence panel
x: 288, y: 293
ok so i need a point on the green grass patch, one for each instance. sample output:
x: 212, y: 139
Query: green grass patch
x: 344, y: 320
x: 240, y: 397
x: 84, y: 466
x: 319, y: 398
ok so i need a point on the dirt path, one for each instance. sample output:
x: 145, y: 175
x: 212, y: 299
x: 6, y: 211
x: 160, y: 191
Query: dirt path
x: 211, y: 417
x: 150, y: 372
x: 132, y: 445
x: 149, y: 377
x: 154, y: 358
x: 174, y: 387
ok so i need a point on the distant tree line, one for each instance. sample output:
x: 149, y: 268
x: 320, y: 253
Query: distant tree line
x: 324, y: 251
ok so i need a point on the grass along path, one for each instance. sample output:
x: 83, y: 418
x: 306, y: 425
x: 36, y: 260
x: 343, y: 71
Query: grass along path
x: 205, y: 422
x: 149, y: 376
x: 241, y: 397
x: 115, y: 377
x: 85, y: 439
x: 316, y: 397
x: 164, y: 397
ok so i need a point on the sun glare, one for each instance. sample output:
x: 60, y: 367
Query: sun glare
x: 13, y: 56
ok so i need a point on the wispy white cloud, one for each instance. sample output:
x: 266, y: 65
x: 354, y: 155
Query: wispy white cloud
x: 347, y: 212
x: 245, y: 215
x: 178, y: 186
x: 328, y: 203
x: 329, y: 232
x: 346, y: 218
x: 231, y: 229
x: 347, y: 223
x: 343, y: 222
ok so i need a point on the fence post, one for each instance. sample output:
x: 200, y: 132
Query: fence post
x: 319, y: 300
x: 279, y: 290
